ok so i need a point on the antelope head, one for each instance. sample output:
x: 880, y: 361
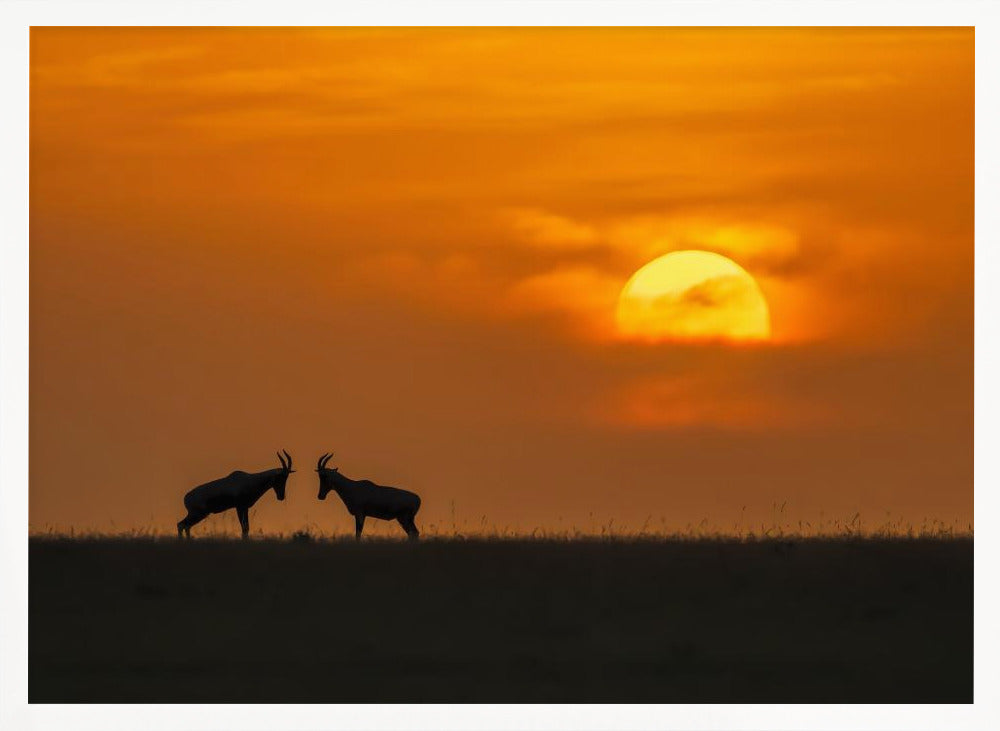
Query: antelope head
x: 326, y: 475
x: 281, y: 477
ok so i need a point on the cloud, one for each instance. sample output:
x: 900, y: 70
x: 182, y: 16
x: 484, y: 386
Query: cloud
x: 123, y: 69
x: 761, y: 248
x: 694, y: 400
x: 710, y: 294
x: 550, y: 231
x: 586, y: 294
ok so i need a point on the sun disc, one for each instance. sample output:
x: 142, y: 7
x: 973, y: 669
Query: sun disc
x: 693, y: 295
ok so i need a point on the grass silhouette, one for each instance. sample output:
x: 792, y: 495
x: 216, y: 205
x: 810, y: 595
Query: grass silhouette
x: 766, y: 616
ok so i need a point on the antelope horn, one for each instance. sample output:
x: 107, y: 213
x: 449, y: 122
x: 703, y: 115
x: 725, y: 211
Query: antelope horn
x: 280, y: 459
x: 326, y: 458
x: 319, y: 462
x: 289, y: 468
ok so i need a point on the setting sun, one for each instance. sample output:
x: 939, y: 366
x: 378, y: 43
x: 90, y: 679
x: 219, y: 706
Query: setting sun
x: 693, y: 295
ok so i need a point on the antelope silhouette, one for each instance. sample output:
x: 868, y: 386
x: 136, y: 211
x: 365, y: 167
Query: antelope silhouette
x: 238, y: 490
x: 364, y: 498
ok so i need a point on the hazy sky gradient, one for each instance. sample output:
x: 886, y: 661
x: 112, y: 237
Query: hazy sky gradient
x: 406, y: 246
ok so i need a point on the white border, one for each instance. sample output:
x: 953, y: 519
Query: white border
x: 18, y: 16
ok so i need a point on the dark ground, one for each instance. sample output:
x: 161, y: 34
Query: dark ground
x: 501, y: 621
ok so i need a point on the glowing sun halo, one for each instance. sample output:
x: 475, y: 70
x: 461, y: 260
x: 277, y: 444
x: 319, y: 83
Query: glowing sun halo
x: 693, y: 295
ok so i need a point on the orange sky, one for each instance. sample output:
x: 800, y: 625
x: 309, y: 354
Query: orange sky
x: 406, y: 246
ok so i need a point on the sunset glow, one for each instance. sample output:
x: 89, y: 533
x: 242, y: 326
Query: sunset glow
x: 544, y: 274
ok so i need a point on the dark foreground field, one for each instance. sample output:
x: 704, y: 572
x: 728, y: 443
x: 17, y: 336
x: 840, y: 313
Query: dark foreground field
x: 501, y: 621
